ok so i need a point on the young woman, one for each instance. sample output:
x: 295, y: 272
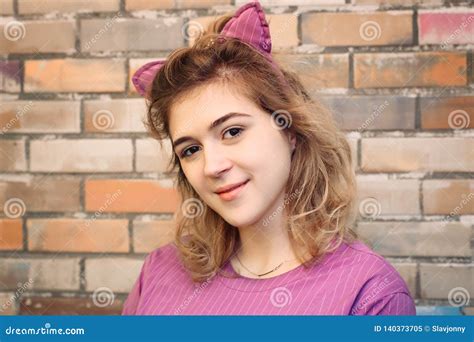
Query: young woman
x: 268, y: 190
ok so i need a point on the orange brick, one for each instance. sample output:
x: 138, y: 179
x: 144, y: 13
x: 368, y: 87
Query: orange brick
x: 11, y: 234
x: 149, y: 235
x: 356, y: 29
x: 448, y: 196
x: 12, y: 155
x: 417, y: 154
x: 81, y: 155
x: 75, y: 75
x: 318, y: 71
x: 447, y: 112
x: 47, y: 6
x: 71, y: 235
x: 35, y: 37
x: 40, y: 117
x: 41, y: 193
x: 135, y: 5
x: 130, y: 195
x: 120, y: 115
x: 410, y: 69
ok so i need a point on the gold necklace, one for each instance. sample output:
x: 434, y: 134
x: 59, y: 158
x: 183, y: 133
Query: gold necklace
x: 261, y: 275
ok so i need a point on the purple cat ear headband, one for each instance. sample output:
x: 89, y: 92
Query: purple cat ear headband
x: 248, y: 25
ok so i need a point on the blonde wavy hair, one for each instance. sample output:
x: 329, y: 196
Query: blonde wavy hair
x: 321, y: 215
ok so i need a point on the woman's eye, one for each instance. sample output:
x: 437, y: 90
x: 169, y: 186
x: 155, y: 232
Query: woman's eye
x: 234, y: 132
x: 234, y: 129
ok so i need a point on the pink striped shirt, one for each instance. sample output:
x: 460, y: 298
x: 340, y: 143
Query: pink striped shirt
x: 352, y: 280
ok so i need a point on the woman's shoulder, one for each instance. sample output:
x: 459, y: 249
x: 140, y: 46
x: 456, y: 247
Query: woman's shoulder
x: 164, y: 254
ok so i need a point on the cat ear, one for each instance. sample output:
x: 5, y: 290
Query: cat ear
x: 249, y: 25
x: 144, y: 76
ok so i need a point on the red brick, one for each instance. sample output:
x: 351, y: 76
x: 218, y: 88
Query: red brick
x: 446, y: 28
x: 131, y: 34
x: 35, y: 37
x: 59, y: 306
x: 417, y: 154
x: 120, y: 115
x: 47, y: 6
x: 448, y: 196
x: 11, y: 234
x: 72, y: 235
x: 12, y: 153
x: 81, y: 155
x: 75, y: 75
x: 447, y: 112
x: 318, y: 71
x: 40, y: 117
x: 10, y: 76
x: 135, y: 5
x: 41, y: 193
x: 151, y: 234
x: 132, y: 195
x: 357, y: 29
x: 410, y: 69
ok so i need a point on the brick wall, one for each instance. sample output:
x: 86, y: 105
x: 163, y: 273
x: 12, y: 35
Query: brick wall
x: 83, y: 189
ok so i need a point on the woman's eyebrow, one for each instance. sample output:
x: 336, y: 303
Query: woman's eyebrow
x: 213, y: 125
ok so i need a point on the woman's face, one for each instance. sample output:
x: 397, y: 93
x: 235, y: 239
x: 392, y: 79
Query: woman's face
x: 247, y: 146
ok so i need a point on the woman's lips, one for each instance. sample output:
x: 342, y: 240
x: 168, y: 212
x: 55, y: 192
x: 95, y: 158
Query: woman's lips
x: 234, y: 193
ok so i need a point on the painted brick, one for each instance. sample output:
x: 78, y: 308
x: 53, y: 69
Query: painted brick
x: 11, y: 234
x: 118, y: 274
x: 85, y: 155
x: 377, y: 198
x: 358, y: 29
x: 446, y: 28
x: 41, y: 193
x: 10, y: 76
x: 438, y: 280
x: 410, y: 69
x: 38, y: 36
x: 72, y: 235
x: 131, y: 195
x: 8, y: 301
x: 40, y: 117
x: 372, y: 112
x: 416, y: 154
x: 447, y: 112
x: 47, y: 6
x: 134, y: 5
x: 131, y: 34
x: 318, y: 70
x: 120, y: 115
x: 448, y: 196
x: 75, y: 75
x: 425, y: 239
x: 150, y: 157
x: 13, y: 156
x: 149, y: 235
x: 39, y: 273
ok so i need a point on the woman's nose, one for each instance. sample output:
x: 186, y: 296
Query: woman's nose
x: 215, y: 162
